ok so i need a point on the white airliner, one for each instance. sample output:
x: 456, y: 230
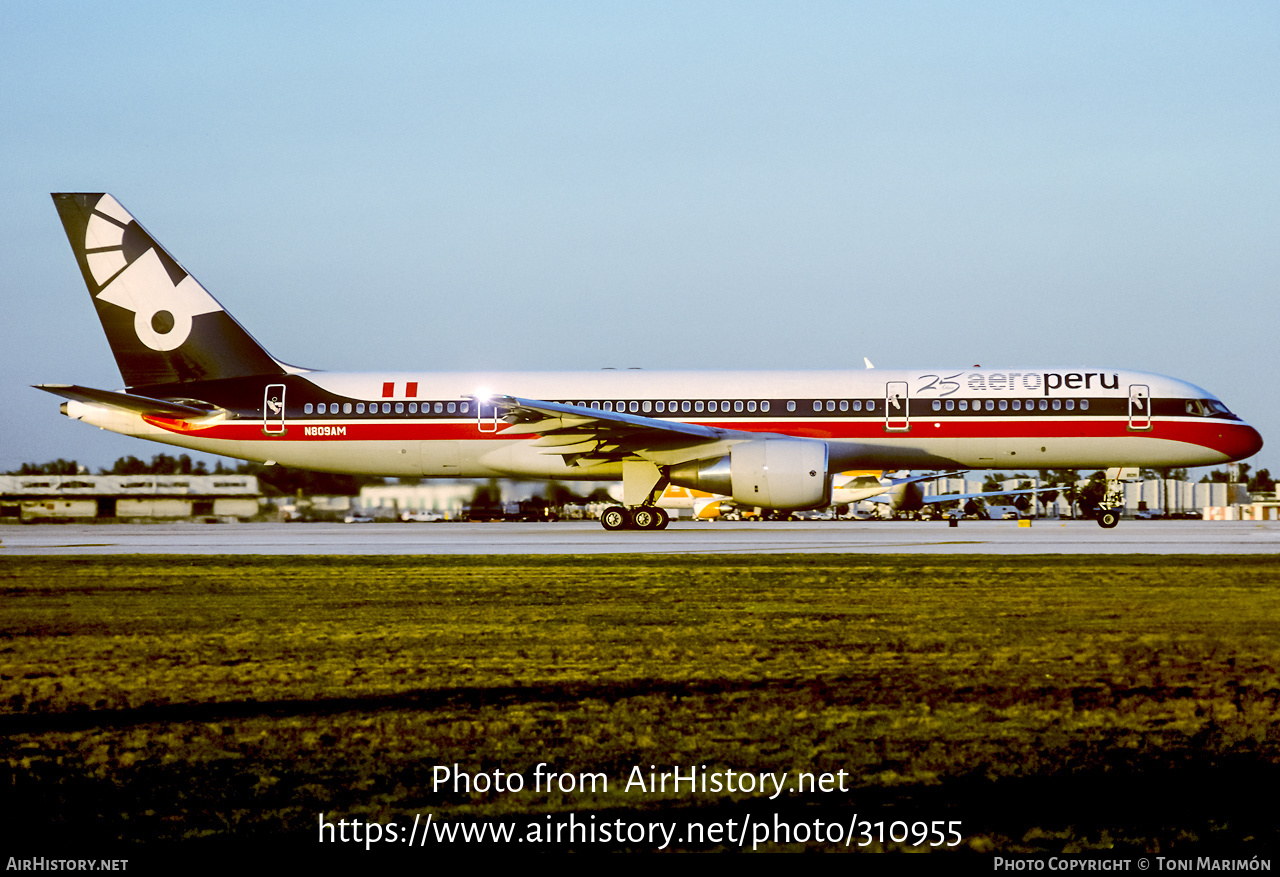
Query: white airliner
x: 772, y: 439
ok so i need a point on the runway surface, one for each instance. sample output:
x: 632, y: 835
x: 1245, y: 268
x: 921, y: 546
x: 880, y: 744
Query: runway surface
x: 587, y: 537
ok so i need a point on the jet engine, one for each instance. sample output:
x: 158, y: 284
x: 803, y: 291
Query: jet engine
x: 773, y: 473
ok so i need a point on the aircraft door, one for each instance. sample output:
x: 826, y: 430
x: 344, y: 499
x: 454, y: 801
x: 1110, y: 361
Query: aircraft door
x: 897, y: 415
x: 486, y: 415
x: 273, y: 410
x: 1139, y: 406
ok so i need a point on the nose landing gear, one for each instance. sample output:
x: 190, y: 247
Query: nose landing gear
x: 1113, y: 501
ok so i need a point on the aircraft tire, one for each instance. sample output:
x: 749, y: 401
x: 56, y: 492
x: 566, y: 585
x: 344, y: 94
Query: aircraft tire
x: 663, y: 519
x: 644, y: 518
x: 615, y: 517
x: 1108, y: 518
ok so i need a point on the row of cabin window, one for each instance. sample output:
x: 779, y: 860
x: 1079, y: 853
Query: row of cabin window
x: 738, y: 406
x: 674, y: 407
x: 1006, y: 404
x: 699, y: 406
x: 387, y: 407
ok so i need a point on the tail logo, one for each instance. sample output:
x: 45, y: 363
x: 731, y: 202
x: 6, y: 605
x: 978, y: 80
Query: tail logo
x: 135, y: 273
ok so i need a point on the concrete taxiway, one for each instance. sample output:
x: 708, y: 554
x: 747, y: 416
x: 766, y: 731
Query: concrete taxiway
x: 587, y: 537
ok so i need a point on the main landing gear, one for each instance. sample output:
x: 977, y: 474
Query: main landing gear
x: 1113, y: 501
x: 642, y: 484
x: 643, y: 518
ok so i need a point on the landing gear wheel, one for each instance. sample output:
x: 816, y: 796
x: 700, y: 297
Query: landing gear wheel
x: 663, y: 519
x: 644, y: 518
x: 1108, y: 518
x: 615, y: 517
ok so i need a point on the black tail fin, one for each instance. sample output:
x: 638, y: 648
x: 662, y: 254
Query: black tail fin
x: 163, y: 327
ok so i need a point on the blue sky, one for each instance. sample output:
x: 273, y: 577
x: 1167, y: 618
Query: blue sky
x: 440, y: 186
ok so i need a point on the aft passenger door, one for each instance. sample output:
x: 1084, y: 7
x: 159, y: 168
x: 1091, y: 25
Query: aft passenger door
x: 897, y: 415
x: 1139, y: 406
x: 273, y: 410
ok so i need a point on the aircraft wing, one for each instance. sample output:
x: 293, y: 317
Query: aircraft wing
x: 586, y: 436
x: 125, y: 401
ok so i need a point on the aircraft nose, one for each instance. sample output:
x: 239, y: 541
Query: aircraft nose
x: 1239, y: 441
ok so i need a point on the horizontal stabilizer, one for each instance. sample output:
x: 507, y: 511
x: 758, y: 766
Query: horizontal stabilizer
x: 125, y: 401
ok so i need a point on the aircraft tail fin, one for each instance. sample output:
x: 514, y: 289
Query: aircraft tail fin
x: 163, y: 327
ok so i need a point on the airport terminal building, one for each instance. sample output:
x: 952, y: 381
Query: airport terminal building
x: 123, y: 498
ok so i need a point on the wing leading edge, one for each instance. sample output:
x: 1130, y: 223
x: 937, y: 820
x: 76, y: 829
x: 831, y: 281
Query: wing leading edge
x: 589, y: 436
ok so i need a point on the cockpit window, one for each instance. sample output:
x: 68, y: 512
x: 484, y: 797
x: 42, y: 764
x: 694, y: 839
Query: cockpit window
x: 1207, y: 408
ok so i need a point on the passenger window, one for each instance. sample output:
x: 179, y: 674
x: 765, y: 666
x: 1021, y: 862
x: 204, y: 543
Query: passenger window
x: 320, y: 409
x: 608, y: 406
x: 964, y: 405
x: 386, y: 407
x: 661, y: 406
x: 1017, y: 404
x: 438, y: 411
x: 359, y: 408
x: 991, y: 405
x: 817, y: 406
x: 646, y: 406
x: 724, y: 406
x: 951, y: 404
x: 844, y: 404
x: 737, y: 406
x: 464, y: 407
x: 857, y: 404
x: 764, y: 406
x: 791, y: 405
x: 413, y: 407
x: 871, y: 406
x: 595, y: 404
x: 634, y: 407
x: 399, y: 408
x: 697, y: 406
x: 711, y: 406
x: 937, y: 404
x: 1084, y: 404
x: 1004, y: 404
x: 684, y: 406
x: 452, y: 407
x: 751, y: 406
x: 831, y: 405
x: 1044, y: 404
x: 1071, y: 404
x: 308, y: 408
x: 346, y: 407
x: 1057, y: 404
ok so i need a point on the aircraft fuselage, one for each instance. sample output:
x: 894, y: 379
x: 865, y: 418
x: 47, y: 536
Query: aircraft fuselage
x: 438, y: 424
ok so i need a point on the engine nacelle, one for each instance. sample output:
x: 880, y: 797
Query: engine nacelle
x: 774, y: 473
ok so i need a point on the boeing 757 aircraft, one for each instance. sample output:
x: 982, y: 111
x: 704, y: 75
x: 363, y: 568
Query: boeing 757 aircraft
x: 193, y: 377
